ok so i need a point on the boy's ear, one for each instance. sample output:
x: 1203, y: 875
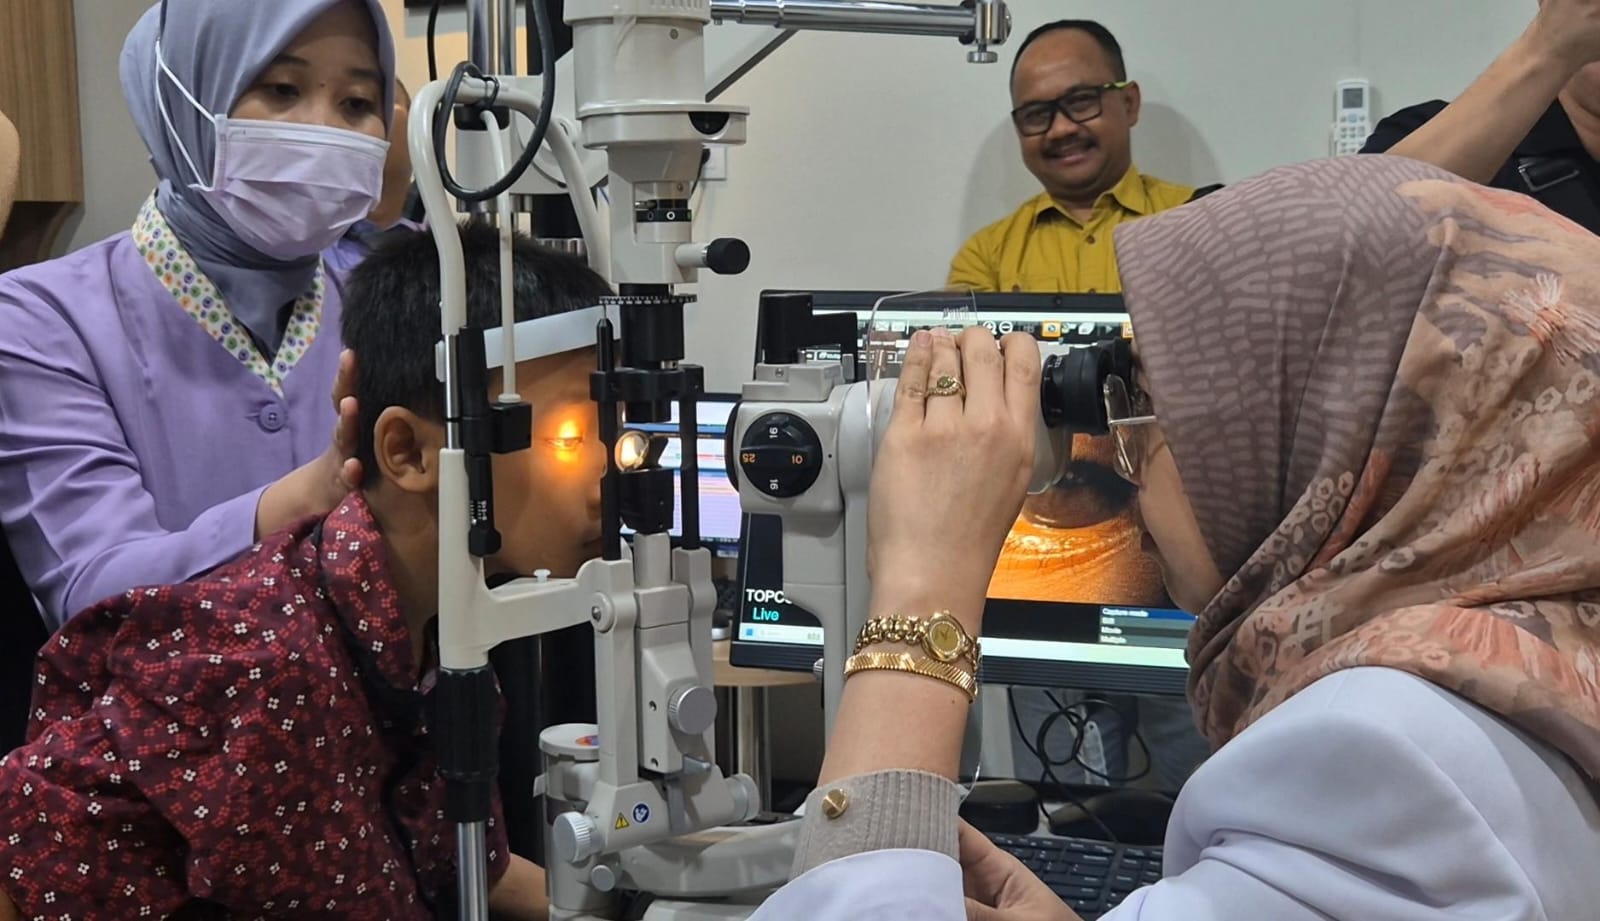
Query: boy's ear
x: 407, y: 449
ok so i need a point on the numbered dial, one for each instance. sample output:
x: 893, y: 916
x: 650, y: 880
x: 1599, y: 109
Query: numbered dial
x: 781, y: 455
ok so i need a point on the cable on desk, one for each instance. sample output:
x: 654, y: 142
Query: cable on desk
x: 1035, y: 749
x: 1079, y: 721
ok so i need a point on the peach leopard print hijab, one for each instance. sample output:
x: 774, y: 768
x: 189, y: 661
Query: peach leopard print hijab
x: 1381, y: 386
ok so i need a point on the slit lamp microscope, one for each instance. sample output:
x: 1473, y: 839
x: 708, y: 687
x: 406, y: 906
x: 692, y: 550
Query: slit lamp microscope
x: 639, y: 805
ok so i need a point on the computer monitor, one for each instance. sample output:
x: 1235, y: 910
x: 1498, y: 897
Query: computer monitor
x: 720, y: 513
x: 1074, y: 602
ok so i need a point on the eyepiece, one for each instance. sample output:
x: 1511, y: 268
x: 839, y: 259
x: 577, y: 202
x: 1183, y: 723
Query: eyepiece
x: 1070, y: 388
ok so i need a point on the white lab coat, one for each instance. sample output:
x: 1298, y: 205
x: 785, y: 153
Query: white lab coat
x: 1371, y: 795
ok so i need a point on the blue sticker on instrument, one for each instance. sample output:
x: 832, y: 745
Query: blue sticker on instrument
x: 641, y: 814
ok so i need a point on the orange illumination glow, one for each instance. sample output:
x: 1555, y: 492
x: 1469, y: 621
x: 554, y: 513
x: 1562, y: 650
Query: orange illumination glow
x: 569, y: 438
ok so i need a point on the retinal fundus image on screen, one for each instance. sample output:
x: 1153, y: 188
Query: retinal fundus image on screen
x: 1079, y: 540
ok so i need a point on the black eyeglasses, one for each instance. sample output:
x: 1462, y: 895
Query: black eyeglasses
x: 1083, y: 104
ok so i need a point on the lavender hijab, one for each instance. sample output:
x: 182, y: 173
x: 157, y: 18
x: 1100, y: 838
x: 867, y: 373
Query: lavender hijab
x: 1381, y: 387
x: 217, y: 48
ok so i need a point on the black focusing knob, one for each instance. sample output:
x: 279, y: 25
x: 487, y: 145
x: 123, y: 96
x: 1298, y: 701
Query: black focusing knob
x: 781, y: 455
x: 727, y: 256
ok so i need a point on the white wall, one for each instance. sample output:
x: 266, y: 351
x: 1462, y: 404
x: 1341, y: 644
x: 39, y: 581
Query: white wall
x: 116, y: 173
x: 871, y: 158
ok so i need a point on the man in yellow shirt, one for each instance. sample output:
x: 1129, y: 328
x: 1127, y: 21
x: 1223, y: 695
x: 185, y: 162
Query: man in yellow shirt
x: 1075, y: 111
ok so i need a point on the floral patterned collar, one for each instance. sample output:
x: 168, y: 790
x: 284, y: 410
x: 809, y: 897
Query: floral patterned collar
x: 199, y: 297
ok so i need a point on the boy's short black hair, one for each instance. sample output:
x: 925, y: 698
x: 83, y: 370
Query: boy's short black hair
x: 1101, y: 35
x: 391, y: 314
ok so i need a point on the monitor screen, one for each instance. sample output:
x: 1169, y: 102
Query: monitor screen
x: 1074, y: 601
x: 720, y: 514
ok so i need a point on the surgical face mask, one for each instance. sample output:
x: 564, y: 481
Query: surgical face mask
x: 288, y: 190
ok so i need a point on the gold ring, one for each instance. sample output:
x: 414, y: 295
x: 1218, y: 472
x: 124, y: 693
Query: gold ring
x: 948, y: 386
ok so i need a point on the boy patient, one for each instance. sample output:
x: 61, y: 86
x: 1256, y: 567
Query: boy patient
x: 255, y: 741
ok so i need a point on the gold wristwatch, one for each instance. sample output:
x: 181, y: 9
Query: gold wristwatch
x: 950, y: 654
x: 940, y: 636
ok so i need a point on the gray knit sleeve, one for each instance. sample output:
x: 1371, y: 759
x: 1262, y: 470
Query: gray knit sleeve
x: 881, y: 811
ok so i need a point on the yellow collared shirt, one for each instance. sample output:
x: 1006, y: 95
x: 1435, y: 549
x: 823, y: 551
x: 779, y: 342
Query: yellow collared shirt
x: 1041, y: 248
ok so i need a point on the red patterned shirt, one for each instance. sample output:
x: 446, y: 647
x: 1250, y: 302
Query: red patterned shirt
x: 247, y: 744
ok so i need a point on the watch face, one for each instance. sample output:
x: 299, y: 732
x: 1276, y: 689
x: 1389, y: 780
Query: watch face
x: 945, y: 638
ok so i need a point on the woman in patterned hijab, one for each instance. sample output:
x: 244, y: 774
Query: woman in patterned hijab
x: 1400, y: 371
x: 1363, y: 424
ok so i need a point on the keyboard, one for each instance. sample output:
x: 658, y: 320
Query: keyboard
x: 1092, y: 877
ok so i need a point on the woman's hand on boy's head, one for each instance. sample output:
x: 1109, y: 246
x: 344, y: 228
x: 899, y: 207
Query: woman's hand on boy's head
x: 347, y: 424
x: 341, y: 454
x: 317, y: 487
